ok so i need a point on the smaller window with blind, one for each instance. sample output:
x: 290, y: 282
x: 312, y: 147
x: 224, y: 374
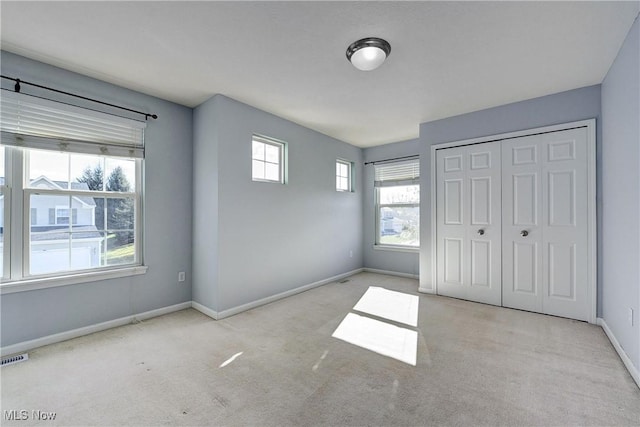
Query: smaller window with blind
x: 267, y: 160
x: 398, y: 204
x: 343, y: 176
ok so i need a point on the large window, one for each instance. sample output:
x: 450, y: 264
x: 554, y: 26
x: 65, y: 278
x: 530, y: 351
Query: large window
x: 267, y: 160
x: 73, y: 190
x: 397, y: 204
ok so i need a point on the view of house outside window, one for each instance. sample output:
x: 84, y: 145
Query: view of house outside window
x: 82, y: 211
x: 399, y: 215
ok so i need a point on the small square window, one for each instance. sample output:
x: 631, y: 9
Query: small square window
x: 343, y: 175
x: 62, y: 215
x: 267, y: 160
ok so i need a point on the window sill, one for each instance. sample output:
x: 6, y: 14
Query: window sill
x: 71, y: 279
x: 392, y: 248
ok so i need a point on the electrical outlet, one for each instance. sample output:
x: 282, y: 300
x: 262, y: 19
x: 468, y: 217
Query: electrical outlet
x: 630, y: 316
x: 181, y: 276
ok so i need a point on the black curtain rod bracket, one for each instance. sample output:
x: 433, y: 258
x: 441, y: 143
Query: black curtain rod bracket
x: 392, y: 160
x: 17, y: 89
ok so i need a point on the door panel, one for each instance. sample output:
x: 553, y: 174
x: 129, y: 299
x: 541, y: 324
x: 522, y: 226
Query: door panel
x: 453, y: 163
x: 525, y: 200
x: 480, y: 201
x: 450, y: 219
x: 544, y: 233
x: 453, y: 260
x: 561, y: 197
x: 525, y: 257
x: 453, y: 201
x: 565, y: 231
x: 480, y: 263
x: 480, y: 160
x: 562, y: 271
x: 468, y: 222
x: 521, y: 236
x: 525, y: 153
x: 561, y: 150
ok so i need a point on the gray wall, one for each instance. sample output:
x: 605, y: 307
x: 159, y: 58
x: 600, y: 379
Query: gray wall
x: 401, y: 262
x: 573, y: 105
x: 205, y: 203
x: 621, y: 195
x: 167, y: 234
x: 271, y: 237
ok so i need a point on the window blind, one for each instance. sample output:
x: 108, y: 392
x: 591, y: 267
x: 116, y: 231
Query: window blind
x: 397, y: 173
x: 32, y: 122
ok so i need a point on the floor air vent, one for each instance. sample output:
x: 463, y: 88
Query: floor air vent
x: 15, y: 359
x: 343, y: 281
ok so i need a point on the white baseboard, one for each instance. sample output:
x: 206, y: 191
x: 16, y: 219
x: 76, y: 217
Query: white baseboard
x: 391, y: 273
x: 635, y: 374
x: 205, y: 310
x: 161, y: 311
x: 267, y: 300
x: 74, y: 333
x: 426, y: 290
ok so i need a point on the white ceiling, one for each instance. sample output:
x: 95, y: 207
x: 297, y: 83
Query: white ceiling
x: 288, y: 58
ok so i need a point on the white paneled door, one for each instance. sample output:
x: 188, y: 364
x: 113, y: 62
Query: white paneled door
x: 469, y: 221
x: 545, y: 231
x: 512, y: 223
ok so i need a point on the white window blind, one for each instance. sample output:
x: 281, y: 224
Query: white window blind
x: 397, y: 173
x: 32, y: 122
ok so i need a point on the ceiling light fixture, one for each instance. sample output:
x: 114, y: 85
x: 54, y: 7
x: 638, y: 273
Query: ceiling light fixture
x: 368, y: 54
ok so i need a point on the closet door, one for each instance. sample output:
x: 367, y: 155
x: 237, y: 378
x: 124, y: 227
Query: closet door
x: 545, y: 231
x: 468, y: 222
x: 521, y: 230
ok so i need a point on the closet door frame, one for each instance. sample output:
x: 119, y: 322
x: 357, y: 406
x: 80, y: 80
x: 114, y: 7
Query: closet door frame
x: 590, y: 124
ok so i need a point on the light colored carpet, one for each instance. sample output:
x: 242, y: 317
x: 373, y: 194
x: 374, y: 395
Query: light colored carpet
x: 476, y: 365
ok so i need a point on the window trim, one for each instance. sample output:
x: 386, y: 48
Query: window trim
x: 396, y: 248
x: 282, y: 146
x: 17, y: 198
x: 83, y: 276
x: 349, y: 176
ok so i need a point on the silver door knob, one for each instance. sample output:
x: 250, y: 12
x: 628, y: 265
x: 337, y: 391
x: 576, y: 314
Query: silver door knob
x: 481, y: 232
x: 524, y: 233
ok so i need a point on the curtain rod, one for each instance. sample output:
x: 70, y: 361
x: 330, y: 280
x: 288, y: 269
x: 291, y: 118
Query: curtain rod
x: 17, y: 89
x: 391, y: 160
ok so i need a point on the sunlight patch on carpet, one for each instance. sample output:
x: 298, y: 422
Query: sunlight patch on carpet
x: 391, y: 305
x: 382, y: 338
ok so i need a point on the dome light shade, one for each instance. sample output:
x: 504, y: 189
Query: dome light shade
x: 368, y: 54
